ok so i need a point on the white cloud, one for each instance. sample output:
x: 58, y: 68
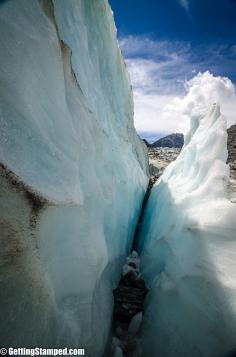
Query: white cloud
x: 233, y: 49
x: 146, y: 47
x: 156, y: 65
x: 205, y: 89
x: 167, y: 89
x: 184, y: 4
x: 202, y: 91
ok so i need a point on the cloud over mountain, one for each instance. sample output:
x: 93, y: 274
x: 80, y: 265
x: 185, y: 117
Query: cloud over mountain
x: 170, y: 80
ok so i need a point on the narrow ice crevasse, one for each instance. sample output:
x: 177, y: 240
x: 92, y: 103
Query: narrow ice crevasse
x: 188, y: 250
x: 73, y: 175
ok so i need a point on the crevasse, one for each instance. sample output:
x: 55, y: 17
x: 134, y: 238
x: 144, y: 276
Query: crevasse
x: 73, y: 175
x: 188, y: 244
x: 73, y: 172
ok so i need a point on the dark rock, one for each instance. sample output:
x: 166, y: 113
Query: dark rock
x: 129, y: 297
x: 132, y: 265
x: 146, y: 143
x: 231, y: 144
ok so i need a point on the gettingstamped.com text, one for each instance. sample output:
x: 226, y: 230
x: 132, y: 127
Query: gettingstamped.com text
x: 38, y: 351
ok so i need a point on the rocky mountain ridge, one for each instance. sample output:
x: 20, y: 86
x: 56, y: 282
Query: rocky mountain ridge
x: 175, y: 140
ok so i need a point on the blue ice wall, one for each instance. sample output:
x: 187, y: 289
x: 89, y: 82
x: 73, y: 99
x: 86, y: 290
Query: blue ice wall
x: 73, y: 172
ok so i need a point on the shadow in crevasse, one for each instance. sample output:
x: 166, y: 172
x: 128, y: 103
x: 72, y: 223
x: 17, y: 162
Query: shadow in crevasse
x: 189, y: 266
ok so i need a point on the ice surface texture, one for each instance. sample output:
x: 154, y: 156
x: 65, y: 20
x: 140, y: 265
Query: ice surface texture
x: 189, y: 250
x: 73, y: 172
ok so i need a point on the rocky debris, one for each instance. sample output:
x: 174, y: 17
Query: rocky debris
x: 159, y: 159
x: 231, y: 144
x: 128, y: 309
x: 129, y: 298
x: 130, y: 294
x: 175, y: 140
x: 232, y: 166
x: 152, y: 181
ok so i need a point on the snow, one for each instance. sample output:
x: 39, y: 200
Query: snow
x: 132, y: 264
x: 189, y: 250
x: 118, y: 352
x: 73, y: 172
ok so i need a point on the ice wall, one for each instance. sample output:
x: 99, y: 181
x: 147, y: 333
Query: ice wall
x: 73, y: 172
x: 189, y: 250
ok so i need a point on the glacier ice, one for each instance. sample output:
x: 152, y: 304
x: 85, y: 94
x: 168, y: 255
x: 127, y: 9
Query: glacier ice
x: 73, y: 172
x: 73, y: 175
x: 188, y: 243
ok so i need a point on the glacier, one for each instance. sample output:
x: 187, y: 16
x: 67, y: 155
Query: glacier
x: 73, y: 172
x: 73, y: 175
x: 188, y: 249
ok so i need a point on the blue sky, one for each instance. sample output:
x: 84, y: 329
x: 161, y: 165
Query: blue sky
x: 166, y: 43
